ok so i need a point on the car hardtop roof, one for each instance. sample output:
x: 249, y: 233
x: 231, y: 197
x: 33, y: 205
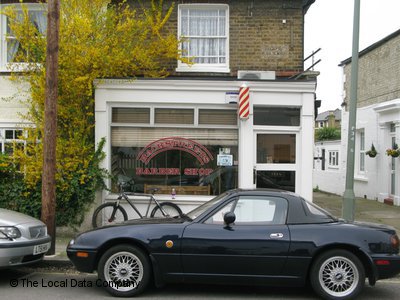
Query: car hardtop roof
x: 261, y: 191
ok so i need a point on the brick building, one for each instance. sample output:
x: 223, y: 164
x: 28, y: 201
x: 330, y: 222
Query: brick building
x: 184, y: 131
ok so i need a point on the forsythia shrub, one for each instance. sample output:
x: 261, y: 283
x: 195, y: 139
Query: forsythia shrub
x: 98, y: 39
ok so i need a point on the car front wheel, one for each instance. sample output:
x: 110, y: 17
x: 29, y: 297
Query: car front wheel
x: 124, y: 271
x: 337, y: 274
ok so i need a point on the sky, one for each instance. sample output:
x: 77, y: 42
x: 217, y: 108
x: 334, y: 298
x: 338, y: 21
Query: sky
x: 329, y: 26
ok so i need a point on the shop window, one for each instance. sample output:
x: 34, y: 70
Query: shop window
x: 276, y: 148
x: 204, y: 29
x: 173, y: 116
x: 176, y: 156
x: 13, y: 50
x: 276, y: 116
x: 131, y: 115
x: 283, y: 180
x: 217, y: 117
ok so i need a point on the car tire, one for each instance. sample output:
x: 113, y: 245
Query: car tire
x: 337, y: 274
x: 124, y: 271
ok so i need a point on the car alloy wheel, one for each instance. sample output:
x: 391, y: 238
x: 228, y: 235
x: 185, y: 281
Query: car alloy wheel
x: 124, y: 270
x: 337, y: 274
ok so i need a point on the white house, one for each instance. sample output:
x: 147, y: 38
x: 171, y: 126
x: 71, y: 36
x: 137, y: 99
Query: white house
x: 377, y: 123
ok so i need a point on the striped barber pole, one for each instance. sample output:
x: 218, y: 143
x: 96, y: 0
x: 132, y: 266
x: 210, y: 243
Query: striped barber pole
x: 244, y: 102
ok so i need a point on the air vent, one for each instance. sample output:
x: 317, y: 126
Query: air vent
x: 257, y: 75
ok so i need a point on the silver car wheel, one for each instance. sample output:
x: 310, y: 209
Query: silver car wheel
x: 338, y: 276
x: 123, y: 271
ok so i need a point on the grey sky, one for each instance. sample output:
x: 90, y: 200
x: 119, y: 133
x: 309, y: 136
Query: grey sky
x: 329, y: 25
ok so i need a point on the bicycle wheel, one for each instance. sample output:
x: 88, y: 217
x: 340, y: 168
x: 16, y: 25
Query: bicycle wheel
x: 171, y: 209
x: 105, y: 213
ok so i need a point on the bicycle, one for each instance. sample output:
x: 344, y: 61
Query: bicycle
x: 113, y: 212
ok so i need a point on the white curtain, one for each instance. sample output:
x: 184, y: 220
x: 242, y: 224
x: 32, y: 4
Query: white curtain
x: 38, y: 18
x: 206, y: 35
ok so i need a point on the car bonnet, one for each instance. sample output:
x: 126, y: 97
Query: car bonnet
x: 13, y: 218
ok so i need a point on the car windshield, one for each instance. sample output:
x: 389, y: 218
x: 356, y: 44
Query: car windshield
x: 202, y: 208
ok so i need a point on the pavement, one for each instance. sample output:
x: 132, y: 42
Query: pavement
x: 365, y: 210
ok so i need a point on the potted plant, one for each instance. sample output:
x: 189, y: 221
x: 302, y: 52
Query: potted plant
x: 372, y: 152
x: 394, y: 151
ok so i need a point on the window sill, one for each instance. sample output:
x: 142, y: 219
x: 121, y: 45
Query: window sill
x: 18, y: 67
x: 204, y: 69
x: 360, y: 178
x: 333, y: 168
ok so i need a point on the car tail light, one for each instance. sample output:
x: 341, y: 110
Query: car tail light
x: 394, y: 241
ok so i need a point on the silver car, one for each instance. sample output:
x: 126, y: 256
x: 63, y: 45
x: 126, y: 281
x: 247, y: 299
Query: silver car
x: 23, y: 239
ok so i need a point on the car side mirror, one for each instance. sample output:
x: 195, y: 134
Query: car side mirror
x: 229, y: 218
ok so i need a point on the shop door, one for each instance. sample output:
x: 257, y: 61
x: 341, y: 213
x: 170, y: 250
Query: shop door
x: 275, y: 165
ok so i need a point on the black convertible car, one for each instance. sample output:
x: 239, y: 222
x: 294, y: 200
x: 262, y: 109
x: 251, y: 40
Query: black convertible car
x: 263, y: 237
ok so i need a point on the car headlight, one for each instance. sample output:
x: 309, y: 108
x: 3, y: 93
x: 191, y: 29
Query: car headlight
x: 8, y: 232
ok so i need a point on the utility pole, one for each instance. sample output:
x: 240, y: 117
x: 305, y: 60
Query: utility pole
x: 50, y: 122
x: 348, y: 196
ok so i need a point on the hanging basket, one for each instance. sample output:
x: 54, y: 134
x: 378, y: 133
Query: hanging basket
x: 393, y: 152
x: 372, y: 152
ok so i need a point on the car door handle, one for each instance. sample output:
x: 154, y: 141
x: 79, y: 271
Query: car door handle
x: 276, y: 235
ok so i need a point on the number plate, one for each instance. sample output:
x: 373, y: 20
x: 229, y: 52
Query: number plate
x: 43, y: 248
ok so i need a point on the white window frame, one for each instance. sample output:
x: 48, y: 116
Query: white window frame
x: 217, y: 68
x: 333, y: 158
x: 4, y: 65
x: 361, y: 151
x: 4, y: 141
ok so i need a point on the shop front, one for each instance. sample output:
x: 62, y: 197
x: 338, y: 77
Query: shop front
x: 185, y: 138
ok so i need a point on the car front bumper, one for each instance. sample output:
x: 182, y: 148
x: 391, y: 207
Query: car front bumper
x: 387, y: 266
x: 83, y: 260
x: 15, y: 253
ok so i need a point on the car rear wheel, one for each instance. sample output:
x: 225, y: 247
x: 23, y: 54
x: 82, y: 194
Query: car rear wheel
x: 337, y: 274
x: 124, y: 271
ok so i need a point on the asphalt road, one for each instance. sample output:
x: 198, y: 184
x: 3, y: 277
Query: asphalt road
x: 22, y: 284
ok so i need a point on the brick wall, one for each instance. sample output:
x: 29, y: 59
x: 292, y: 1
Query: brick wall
x: 379, y: 74
x: 259, y: 38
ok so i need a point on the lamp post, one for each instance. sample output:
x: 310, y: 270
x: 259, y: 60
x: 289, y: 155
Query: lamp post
x: 348, y: 196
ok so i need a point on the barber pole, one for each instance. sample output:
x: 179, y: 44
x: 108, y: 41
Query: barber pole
x: 244, y: 102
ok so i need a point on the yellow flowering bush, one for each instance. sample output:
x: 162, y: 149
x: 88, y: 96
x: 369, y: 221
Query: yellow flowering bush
x: 98, y: 39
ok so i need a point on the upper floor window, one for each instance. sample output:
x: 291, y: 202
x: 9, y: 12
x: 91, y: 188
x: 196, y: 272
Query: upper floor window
x: 12, y: 52
x: 204, y: 29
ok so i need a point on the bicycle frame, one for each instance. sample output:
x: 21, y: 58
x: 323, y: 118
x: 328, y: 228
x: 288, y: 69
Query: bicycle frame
x: 124, y: 196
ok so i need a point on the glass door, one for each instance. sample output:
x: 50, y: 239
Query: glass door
x: 275, y: 161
